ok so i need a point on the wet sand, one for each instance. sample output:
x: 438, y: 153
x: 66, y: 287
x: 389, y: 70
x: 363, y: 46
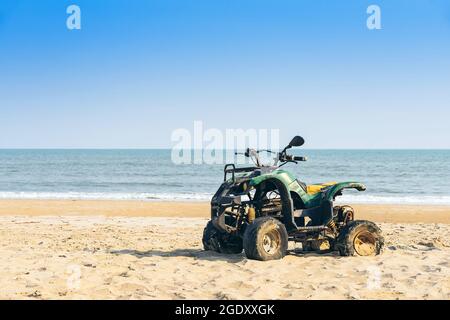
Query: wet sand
x: 197, y: 209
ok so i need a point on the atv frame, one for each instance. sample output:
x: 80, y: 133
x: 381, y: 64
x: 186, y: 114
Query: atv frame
x: 261, y: 208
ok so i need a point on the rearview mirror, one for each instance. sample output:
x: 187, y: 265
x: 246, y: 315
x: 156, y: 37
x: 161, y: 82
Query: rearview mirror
x: 297, y: 141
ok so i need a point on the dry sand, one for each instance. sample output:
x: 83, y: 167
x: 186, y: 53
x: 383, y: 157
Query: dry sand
x: 111, y: 250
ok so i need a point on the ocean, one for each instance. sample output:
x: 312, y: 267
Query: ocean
x: 391, y: 176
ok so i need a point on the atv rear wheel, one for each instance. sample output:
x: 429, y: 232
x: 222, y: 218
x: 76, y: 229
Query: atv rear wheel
x: 360, y: 238
x: 265, y: 239
x: 215, y: 240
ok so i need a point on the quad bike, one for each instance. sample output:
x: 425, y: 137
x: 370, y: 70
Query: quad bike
x: 259, y: 209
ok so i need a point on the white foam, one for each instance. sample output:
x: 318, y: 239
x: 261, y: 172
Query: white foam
x: 103, y: 196
x: 363, y: 199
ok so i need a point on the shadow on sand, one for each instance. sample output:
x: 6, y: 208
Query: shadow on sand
x: 201, y: 254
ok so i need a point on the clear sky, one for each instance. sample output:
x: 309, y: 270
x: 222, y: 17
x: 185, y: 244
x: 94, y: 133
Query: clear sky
x: 137, y: 70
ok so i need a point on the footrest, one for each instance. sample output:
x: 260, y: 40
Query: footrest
x: 311, y: 228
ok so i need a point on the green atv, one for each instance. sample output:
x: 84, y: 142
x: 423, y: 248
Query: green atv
x: 259, y: 209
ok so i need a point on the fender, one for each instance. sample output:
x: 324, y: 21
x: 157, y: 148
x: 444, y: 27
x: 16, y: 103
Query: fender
x: 336, y: 190
x: 281, y: 181
x: 283, y: 176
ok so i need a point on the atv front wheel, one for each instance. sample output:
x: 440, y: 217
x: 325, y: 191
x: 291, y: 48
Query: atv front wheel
x: 360, y: 238
x: 215, y: 240
x: 265, y: 239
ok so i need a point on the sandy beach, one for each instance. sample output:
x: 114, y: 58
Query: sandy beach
x: 53, y: 249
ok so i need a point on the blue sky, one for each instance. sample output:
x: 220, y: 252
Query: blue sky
x: 137, y: 70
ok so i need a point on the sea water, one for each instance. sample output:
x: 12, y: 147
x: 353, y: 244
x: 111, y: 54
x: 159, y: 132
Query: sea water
x: 391, y: 176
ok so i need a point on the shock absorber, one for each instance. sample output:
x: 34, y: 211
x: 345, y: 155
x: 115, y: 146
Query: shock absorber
x: 332, y: 225
x: 251, y: 214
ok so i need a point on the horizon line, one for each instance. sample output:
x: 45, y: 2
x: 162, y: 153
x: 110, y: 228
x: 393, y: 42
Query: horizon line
x: 192, y: 149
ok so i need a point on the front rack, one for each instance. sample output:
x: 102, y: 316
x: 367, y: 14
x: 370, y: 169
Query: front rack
x: 231, y: 168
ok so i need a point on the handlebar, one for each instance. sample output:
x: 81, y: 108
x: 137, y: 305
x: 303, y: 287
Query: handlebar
x: 248, y: 152
x: 282, y: 157
x: 291, y: 158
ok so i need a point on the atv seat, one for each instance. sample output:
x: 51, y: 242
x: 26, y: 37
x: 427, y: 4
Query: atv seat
x: 316, y: 188
x: 313, y: 189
